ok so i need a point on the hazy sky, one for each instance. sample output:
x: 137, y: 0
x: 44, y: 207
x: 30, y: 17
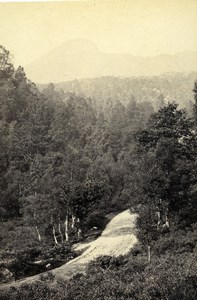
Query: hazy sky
x: 139, y: 27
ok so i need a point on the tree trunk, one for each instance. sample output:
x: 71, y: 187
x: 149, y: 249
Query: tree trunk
x: 79, y: 231
x: 36, y: 226
x: 73, y: 221
x: 60, y: 231
x: 167, y: 224
x: 66, y: 228
x: 54, y: 235
x: 38, y: 233
x: 149, y: 254
x: 158, y: 219
x: 53, y: 228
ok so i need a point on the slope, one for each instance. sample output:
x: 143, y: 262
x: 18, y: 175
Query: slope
x: 117, y: 239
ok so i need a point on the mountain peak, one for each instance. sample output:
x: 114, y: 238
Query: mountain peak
x: 77, y: 45
x: 80, y: 58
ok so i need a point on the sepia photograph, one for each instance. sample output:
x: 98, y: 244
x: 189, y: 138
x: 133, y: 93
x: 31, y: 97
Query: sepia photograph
x: 98, y: 150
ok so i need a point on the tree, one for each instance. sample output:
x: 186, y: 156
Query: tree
x: 77, y: 200
x: 195, y: 104
x: 168, y: 150
x: 6, y: 66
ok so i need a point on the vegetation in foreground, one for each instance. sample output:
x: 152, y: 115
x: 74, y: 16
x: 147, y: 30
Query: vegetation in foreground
x: 171, y: 274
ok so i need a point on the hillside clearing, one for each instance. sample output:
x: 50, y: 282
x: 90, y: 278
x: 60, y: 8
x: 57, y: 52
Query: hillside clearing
x: 118, y: 238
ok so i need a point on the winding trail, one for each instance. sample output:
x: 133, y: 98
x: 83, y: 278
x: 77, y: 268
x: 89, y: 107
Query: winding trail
x: 118, y: 238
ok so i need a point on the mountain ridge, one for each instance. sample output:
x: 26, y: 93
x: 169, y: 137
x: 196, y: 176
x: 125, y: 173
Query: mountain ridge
x: 80, y: 58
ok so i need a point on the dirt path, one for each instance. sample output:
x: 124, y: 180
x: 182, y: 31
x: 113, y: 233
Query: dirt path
x: 117, y: 239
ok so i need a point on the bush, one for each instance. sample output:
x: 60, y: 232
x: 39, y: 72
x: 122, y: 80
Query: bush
x: 20, y: 266
x: 61, y: 251
x: 106, y: 263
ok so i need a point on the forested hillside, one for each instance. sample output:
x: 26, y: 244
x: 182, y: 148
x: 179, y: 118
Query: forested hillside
x: 66, y: 163
x: 62, y: 162
x: 157, y: 90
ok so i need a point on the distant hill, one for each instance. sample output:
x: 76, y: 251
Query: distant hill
x: 77, y: 59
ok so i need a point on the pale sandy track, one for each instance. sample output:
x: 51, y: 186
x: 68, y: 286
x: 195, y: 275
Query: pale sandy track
x: 117, y: 239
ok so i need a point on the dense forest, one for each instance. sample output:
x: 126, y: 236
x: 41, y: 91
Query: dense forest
x: 66, y: 162
x: 164, y: 88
